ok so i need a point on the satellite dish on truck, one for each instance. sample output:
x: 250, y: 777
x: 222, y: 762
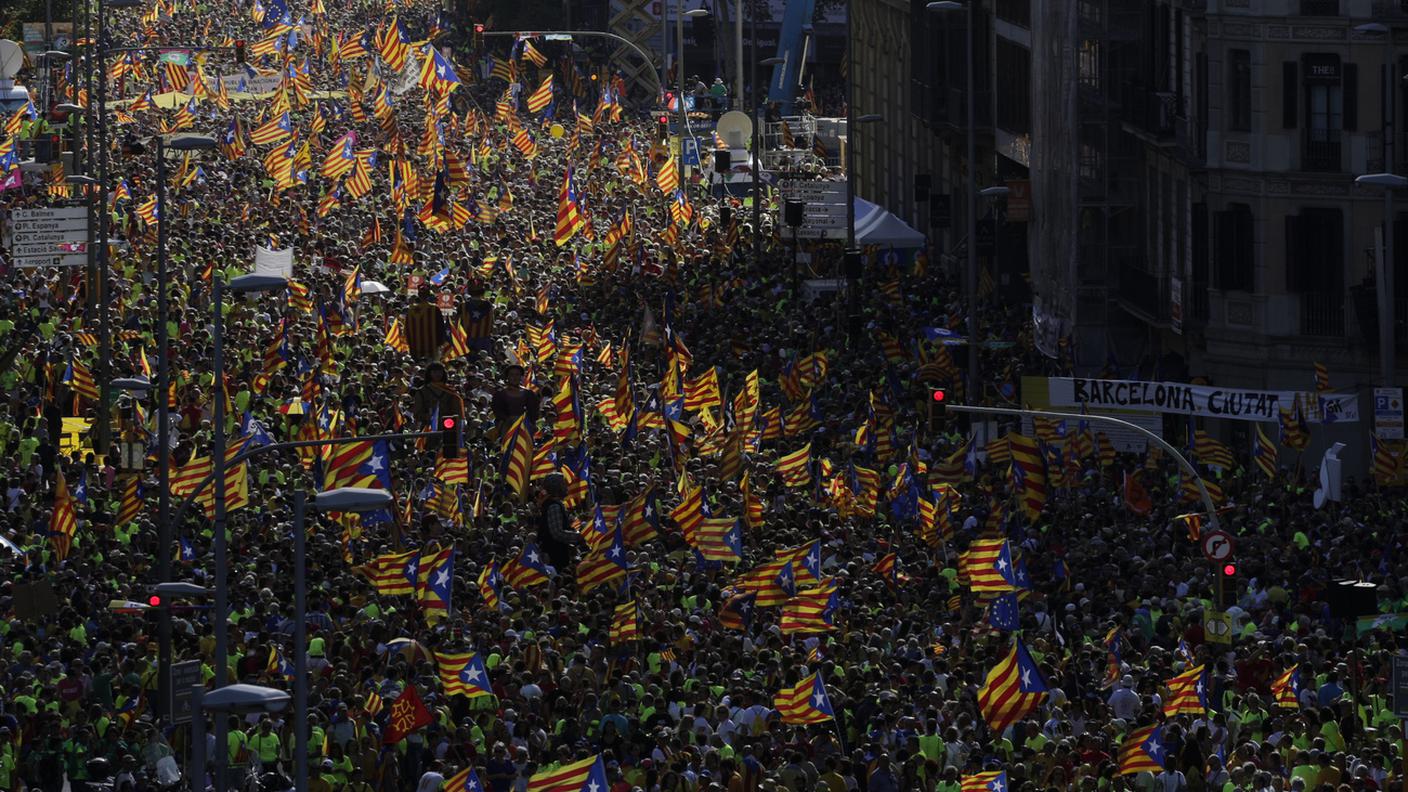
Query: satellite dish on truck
x: 735, y: 128
x: 12, y: 97
x: 11, y: 59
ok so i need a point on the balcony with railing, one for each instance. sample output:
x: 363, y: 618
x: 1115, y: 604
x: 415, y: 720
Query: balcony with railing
x: 1322, y: 314
x: 1323, y: 155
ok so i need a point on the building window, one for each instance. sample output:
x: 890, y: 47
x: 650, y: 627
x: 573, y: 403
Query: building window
x: 1089, y: 64
x: 1315, y: 251
x: 1324, y: 112
x: 1319, y: 7
x: 1315, y: 269
x: 1014, y: 100
x: 1233, y: 248
x: 1239, y: 90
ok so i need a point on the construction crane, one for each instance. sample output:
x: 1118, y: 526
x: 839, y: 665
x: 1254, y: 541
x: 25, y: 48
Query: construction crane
x: 792, y: 43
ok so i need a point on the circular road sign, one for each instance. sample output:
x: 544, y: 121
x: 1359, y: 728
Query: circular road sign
x: 1217, y: 546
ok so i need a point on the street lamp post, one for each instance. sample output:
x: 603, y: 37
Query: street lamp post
x: 971, y: 287
x: 228, y: 699
x: 853, y: 123
x: 758, y: 118
x: 738, y: 56
x: 679, y: 69
x: 243, y: 284
x: 163, y: 373
x: 344, y: 499
x: 1388, y: 182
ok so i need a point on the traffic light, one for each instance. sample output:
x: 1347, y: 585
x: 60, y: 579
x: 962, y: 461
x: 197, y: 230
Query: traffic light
x: 239, y: 51
x: 47, y: 148
x: 450, y: 436
x: 1229, y: 570
x: 154, y: 601
x: 662, y: 128
x: 477, y: 41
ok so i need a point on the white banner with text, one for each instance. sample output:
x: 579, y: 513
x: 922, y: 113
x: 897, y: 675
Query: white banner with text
x: 1205, y: 401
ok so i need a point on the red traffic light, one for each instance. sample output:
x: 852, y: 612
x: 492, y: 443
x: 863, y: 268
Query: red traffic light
x: 154, y: 601
x: 447, y: 423
x: 664, y: 119
x: 478, y: 27
x: 1229, y: 569
x: 940, y: 395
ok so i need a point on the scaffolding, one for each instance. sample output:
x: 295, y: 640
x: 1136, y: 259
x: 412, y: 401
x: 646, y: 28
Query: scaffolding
x: 635, y: 23
x: 789, y: 145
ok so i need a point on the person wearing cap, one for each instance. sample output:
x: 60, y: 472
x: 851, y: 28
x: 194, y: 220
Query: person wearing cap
x: 323, y: 779
x: 1124, y: 701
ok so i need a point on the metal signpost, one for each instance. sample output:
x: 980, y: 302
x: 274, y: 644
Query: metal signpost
x: 824, y: 207
x: 57, y: 237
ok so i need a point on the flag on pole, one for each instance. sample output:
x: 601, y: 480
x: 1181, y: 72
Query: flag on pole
x: 570, y: 218
x: 804, y: 703
x: 541, y: 98
x: 1285, y: 689
x: 1187, y: 693
x: 990, y: 781
x: 588, y: 775
x: 1143, y: 750
x: 1013, y: 689
x: 63, y: 522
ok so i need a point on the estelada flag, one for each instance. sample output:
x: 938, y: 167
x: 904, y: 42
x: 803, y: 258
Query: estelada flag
x: 408, y: 713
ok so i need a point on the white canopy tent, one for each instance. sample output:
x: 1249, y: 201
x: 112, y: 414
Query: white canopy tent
x: 876, y: 226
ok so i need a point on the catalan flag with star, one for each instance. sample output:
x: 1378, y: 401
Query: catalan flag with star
x: 1013, y: 689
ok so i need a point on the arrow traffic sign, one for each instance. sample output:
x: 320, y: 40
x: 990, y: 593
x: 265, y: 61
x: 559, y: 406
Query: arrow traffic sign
x: 1217, y: 546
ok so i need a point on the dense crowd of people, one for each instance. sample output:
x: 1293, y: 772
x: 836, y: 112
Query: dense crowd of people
x: 631, y: 381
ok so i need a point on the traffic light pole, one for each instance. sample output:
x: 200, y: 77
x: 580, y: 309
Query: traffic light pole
x: 1183, y: 462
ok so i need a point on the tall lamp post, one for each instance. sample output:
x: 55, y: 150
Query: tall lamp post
x: 1388, y: 182
x: 853, y: 124
x: 693, y: 13
x: 163, y: 368
x: 97, y: 67
x: 244, y: 284
x: 971, y: 287
x: 343, y: 499
x: 231, y: 699
x: 759, y: 117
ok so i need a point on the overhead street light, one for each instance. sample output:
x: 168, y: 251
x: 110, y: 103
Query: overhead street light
x: 180, y: 588
x: 994, y: 192
x: 137, y: 384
